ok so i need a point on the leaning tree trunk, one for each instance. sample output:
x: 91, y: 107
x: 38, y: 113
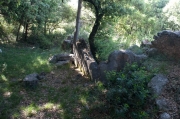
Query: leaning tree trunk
x: 93, y: 33
x: 77, y: 22
x: 76, y: 55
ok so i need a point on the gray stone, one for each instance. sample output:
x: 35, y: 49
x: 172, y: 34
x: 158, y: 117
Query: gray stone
x: 31, y: 80
x: 163, y: 104
x: 0, y: 51
x: 84, y: 60
x: 157, y: 83
x: 165, y: 116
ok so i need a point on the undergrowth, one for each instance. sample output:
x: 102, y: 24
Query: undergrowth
x: 128, y: 93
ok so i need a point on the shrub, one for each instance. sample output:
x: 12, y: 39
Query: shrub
x: 127, y: 92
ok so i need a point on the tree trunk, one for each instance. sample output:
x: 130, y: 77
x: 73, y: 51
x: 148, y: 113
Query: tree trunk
x: 17, y: 35
x: 92, y: 35
x: 77, y: 22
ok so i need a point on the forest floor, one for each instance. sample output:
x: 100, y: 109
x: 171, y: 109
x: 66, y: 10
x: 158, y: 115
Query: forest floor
x: 65, y: 93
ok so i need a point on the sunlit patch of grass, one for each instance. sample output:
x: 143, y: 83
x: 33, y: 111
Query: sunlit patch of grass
x: 7, y: 94
x: 3, y: 78
x: 30, y: 110
x: 17, y: 62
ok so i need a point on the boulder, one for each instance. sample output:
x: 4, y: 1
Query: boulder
x: 157, y: 84
x: 165, y: 116
x: 31, y: 80
x: 168, y: 43
x: 0, y: 51
x: 117, y: 61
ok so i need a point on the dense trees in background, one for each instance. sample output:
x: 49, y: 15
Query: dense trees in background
x: 36, y: 18
x: 113, y: 24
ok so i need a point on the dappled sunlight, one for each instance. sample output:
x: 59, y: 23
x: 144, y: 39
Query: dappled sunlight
x: 3, y: 77
x: 7, y: 94
x: 83, y: 100
x: 51, y: 106
x: 41, y: 109
x: 41, y: 61
x: 30, y: 110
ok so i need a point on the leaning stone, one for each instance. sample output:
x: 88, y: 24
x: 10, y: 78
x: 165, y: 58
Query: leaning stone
x: 31, y: 80
x: 165, y: 116
x: 163, y: 104
x: 157, y: 83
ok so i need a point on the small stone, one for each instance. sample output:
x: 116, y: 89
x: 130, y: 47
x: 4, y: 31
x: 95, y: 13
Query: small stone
x: 31, y: 80
x: 165, y: 116
x: 163, y: 104
x: 157, y: 83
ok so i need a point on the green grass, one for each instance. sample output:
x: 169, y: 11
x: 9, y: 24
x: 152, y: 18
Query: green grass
x: 16, y: 62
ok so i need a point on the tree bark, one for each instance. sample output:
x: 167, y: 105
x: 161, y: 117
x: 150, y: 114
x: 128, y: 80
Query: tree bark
x: 77, y: 22
x: 92, y: 35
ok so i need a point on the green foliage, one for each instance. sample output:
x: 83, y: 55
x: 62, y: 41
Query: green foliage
x: 36, y: 20
x: 128, y: 93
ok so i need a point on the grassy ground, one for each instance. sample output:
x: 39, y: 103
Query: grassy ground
x: 16, y: 62
x: 63, y: 94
